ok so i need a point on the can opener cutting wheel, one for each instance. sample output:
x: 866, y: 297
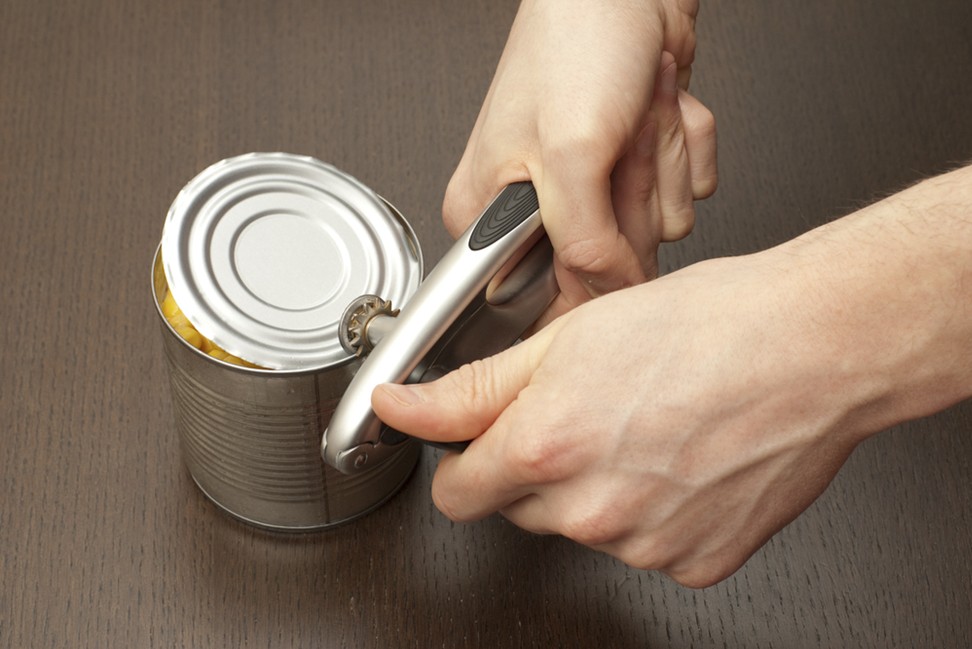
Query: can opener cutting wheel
x: 494, y: 282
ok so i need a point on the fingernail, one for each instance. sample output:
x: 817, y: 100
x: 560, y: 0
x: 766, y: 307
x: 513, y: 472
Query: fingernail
x: 403, y: 394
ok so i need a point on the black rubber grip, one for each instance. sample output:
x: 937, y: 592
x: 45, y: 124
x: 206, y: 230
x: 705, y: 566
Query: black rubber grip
x: 389, y: 436
x: 514, y: 204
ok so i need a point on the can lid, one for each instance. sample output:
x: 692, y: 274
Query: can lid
x: 263, y: 252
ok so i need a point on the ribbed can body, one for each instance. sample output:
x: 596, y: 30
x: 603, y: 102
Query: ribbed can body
x: 259, y: 257
x: 251, y: 438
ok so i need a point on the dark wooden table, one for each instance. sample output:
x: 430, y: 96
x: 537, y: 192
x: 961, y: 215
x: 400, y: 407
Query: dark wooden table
x: 107, y: 108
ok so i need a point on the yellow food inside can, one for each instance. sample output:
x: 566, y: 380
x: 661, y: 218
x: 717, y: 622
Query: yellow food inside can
x: 180, y: 323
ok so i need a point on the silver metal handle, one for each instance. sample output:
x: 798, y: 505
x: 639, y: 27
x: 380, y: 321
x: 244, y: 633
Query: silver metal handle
x: 494, y: 282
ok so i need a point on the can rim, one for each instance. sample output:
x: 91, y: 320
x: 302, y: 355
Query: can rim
x: 157, y: 302
x: 406, y: 240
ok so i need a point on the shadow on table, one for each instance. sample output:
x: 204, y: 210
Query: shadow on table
x: 405, y: 576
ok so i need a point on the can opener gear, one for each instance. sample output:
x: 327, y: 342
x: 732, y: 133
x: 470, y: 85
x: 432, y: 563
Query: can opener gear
x: 494, y: 282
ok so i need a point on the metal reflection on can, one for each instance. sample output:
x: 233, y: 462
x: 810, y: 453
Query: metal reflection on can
x: 261, y: 252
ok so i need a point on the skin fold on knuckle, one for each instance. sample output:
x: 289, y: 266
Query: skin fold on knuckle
x: 643, y: 551
x: 472, y: 386
x: 539, y: 456
x: 678, y: 222
x: 587, y: 257
x: 652, y: 552
x: 704, y: 183
x: 700, y: 574
x: 680, y: 37
x: 702, y: 564
x: 596, y: 526
x: 581, y: 142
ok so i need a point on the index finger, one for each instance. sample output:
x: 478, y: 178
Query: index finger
x: 524, y: 450
x: 578, y: 215
x: 480, y: 481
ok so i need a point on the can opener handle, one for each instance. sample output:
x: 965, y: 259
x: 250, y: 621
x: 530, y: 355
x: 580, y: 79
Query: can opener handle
x: 493, y: 283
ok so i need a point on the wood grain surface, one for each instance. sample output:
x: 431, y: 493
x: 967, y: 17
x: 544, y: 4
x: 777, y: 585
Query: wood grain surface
x: 108, y: 107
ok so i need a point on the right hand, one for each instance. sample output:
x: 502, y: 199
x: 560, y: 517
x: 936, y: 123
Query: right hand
x: 586, y: 103
x: 675, y: 425
x: 678, y: 424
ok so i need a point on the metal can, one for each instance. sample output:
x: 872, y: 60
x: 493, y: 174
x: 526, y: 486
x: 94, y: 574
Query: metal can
x: 262, y: 253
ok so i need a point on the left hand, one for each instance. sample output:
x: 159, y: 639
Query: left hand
x: 586, y: 104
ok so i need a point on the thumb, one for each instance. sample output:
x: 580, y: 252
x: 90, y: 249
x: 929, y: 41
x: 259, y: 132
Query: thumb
x: 464, y: 403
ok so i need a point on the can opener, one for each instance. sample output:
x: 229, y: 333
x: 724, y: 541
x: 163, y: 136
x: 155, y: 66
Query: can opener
x: 494, y: 282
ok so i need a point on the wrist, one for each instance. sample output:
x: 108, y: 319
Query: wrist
x: 879, y: 299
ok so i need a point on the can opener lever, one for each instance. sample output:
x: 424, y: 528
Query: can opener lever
x: 494, y: 282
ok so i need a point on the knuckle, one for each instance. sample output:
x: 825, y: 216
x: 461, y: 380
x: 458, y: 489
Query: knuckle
x: 585, y: 139
x: 689, y: 7
x: 586, y: 256
x: 448, y: 500
x: 442, y: 498
x: 444, y: 505
x: 456, y: 207
x: 698, y: 570
x: 679, y: 224
x: 699, y: 575
x: 646, y: 553
x: 474, y: 383
x: 539, y: 457
x: 682, y: 17
x: 704, y: 185
x: 593, y: 527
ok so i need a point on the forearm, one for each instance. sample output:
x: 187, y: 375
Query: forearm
x: 887, y: 295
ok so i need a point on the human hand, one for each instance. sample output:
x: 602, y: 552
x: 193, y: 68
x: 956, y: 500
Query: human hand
x: 672, y: 425
x: 679, y: 424
x: 586, y: 103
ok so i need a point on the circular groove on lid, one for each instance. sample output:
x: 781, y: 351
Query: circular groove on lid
x: 264, y: 251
